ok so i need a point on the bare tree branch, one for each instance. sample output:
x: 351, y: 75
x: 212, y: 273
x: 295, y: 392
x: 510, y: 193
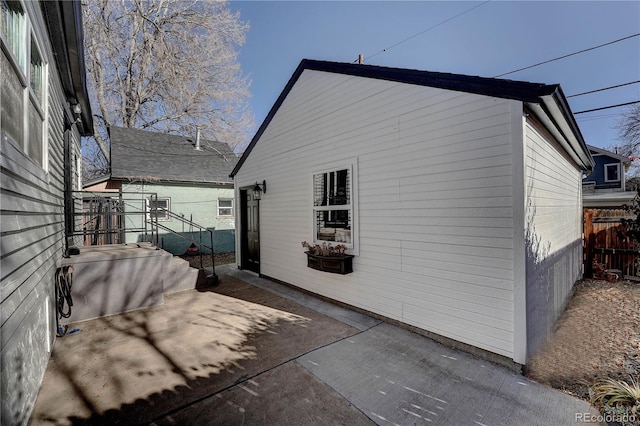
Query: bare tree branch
x: 629, y: 130
x: 167, y: 66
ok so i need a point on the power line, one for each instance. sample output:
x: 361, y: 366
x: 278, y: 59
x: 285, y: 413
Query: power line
x: 607, y: 107
x: 570, y: 54
x: 596, y: 117
x: 424, y: 31
x: 604, y: 88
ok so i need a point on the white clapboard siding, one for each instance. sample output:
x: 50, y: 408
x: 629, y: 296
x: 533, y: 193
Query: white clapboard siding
x: 552, y: 185
x: 553, y: 229
x: 435, y: 200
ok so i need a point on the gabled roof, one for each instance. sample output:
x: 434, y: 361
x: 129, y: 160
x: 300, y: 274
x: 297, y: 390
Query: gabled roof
x: 547, y: 102
x: 599, y: 151
x: 141, y: 155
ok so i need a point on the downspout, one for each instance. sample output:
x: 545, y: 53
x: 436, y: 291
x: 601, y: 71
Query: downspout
x: 68, y: 188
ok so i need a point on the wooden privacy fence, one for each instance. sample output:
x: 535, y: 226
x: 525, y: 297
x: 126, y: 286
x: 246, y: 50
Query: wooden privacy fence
x: 606, y: 242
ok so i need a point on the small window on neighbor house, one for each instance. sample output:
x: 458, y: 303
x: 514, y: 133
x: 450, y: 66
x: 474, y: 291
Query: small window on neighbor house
x: 225, y: 207
x: 612, y: 172
x: 158, y: 208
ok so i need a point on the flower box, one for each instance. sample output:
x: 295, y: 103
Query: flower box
x: 335, y: 264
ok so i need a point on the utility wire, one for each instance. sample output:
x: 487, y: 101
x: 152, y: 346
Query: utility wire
x: 570, y: 54
x: 603, y: 89
x: 424, y: 31
x: 596, y: 117
x: 607, y: 107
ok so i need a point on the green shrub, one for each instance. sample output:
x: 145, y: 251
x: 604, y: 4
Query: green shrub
x: 617, y: 401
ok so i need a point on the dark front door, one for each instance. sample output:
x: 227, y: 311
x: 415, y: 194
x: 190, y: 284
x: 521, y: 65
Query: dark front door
x: 250, y: 232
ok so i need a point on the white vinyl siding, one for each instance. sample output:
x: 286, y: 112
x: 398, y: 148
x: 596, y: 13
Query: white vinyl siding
x: 435, y: 201
x: 552, y: 192
x: 553, y: 232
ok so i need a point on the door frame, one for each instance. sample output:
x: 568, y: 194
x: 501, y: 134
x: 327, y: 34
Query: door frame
x: 244, y: 234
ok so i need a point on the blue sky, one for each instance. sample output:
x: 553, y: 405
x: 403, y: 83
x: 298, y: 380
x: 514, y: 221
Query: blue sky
x: 494, y: 38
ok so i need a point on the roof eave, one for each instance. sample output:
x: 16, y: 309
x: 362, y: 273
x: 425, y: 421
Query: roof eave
x: 547, y: 101
x: 272, y: 112
x: 153, y: 179
x: 554, y: 112
x: 68, y: 46
x: 601, y: 151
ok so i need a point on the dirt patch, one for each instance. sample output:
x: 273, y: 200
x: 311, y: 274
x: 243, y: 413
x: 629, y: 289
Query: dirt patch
x: 219, y: 258
x: 598, y: 336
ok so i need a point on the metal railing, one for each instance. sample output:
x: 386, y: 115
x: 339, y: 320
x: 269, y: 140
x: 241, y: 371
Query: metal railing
x: 192, y: 224
x: 105, y: 217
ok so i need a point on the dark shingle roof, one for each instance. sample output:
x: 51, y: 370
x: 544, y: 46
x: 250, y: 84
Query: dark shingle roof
x: 142, y: 155
x: 547, y: 101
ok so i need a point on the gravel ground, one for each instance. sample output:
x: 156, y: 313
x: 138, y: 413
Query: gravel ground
x: 598, y: 336
x: 220, y: 259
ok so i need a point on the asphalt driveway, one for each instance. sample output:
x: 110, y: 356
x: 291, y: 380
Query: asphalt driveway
x: 250, y: 351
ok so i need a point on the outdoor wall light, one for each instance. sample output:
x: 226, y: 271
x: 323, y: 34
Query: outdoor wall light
x: 258, y: 189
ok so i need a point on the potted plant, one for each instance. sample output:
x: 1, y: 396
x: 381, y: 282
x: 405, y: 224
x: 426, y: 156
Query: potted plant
x: 328, y: 258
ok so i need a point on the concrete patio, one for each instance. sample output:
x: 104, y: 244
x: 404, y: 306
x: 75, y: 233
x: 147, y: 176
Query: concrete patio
x: 251, y: 351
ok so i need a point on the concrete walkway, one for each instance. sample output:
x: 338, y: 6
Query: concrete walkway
x: 251, y: 351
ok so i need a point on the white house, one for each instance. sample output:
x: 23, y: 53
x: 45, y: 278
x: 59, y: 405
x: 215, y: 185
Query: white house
x: 459, y: 197
x: 45, y: 110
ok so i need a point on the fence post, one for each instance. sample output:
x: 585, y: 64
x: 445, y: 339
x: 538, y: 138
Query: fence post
x: 589, y: 240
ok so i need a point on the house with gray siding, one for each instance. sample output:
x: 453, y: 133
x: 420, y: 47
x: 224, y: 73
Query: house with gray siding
x: 45, y: 111
x: 184, y: 176
x: 459, y: 198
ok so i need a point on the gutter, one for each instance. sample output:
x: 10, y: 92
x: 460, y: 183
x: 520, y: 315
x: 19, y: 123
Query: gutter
x: 554, y: 112
x: 64, y: 25
x: 152, y: 180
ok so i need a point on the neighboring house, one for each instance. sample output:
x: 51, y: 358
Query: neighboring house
x: 189, y: 177
x: 459, y: 196
x: 605, y: 186
x: 45, y: 111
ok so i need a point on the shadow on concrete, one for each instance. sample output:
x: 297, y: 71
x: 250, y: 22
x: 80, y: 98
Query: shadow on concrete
x: 144, y: 365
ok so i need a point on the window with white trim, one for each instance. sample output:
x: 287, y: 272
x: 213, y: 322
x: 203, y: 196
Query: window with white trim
x: 158, y: 208
x: 612, y: 172
x: 23, y: 83
x: 334, y: 213
x: 13, y: 26
x: 225, y: 207
x: 36, y: 108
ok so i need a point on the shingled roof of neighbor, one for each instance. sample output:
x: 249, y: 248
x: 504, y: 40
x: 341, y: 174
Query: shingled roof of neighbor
x: 142, y: 155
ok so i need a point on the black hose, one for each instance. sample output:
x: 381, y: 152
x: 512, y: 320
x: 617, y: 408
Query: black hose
x: 64, y: 281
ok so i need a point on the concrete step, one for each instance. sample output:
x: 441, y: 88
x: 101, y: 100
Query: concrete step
x: 179, y: 276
